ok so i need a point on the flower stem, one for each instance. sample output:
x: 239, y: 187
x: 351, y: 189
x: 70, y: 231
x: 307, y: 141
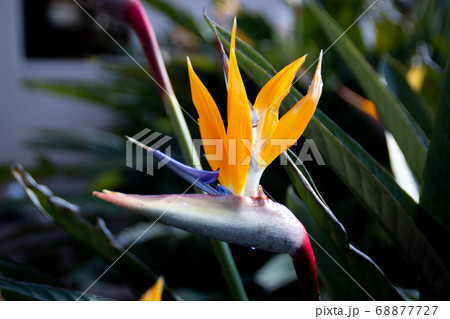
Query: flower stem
x: 138, y: 19
x: 305, y: 267
x: 229, y: 270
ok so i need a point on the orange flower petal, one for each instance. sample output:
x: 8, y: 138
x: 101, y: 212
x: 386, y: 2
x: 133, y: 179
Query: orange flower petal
x: 270, y: 97
x: 211, y: 125
x: 239, y: 131
x: 294, y: 122
x: 154, y: 293
x: 356, y: 100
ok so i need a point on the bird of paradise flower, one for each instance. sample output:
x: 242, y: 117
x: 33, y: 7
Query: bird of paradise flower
x: 251, y: 145
x: 239, y: 212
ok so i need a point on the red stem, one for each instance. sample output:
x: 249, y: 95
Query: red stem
x: 137, y: 17
x: 305, y: 267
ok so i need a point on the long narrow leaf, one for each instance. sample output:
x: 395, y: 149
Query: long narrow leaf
x: 434, y: 196
x: 96, y: 238
x: 19, y: 290
x: 23, y: 272
x: 395, y: 76
x: 328, y: 262
x: 366, y: 273
x: 393, y: 114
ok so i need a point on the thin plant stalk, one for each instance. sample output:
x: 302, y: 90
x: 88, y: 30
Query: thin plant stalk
x: 138, y: 19
x: 229, y: 270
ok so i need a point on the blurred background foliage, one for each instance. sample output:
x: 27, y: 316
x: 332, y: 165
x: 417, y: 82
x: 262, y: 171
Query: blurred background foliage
x: 399, y: 39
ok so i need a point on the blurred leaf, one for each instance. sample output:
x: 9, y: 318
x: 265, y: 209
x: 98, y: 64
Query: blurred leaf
x: 115, y: 95
x: 393, y: 114
x: 245, y: 51
x: 434, y: 196
x: 435, y: 26
x: 98, y: 238
x: 430, y: 89
x: 410, y: 294
x: 128, y: 94
x: 190, y: 294
x: 106, y: 152
x: 276, y: 273
x: 5, y: 173
x: 255, y: 27
x: 107, y: 179
x: 395, y: 76
x: 103, y: 144
x: 370, y: 183
x: 18, y: 290
x: 128, y: 235
x: 400, y: 168
x: 20, y: 271
x: 176, y: 14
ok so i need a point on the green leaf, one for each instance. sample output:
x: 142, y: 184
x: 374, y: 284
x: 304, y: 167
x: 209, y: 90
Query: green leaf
x: 408, y: 134
x: 97, y: 238
x: 20, y: 271
x: 395, y: 75
x: 329, y: 224
x: 434, y: 196
x: 368, y: 181
x: 330, y: 273
x: 323, y: 228
x: 18, y: 290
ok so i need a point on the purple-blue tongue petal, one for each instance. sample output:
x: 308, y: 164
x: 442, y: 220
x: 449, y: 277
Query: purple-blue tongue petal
x: 198, y: 177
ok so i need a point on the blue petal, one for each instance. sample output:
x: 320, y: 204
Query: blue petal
x: 200, y: 178
x: 222, y: 190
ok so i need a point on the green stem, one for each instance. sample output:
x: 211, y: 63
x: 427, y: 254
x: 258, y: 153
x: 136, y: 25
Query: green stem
x: 137, y: 17
x: 173, y: 110
x: 229, y: 270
